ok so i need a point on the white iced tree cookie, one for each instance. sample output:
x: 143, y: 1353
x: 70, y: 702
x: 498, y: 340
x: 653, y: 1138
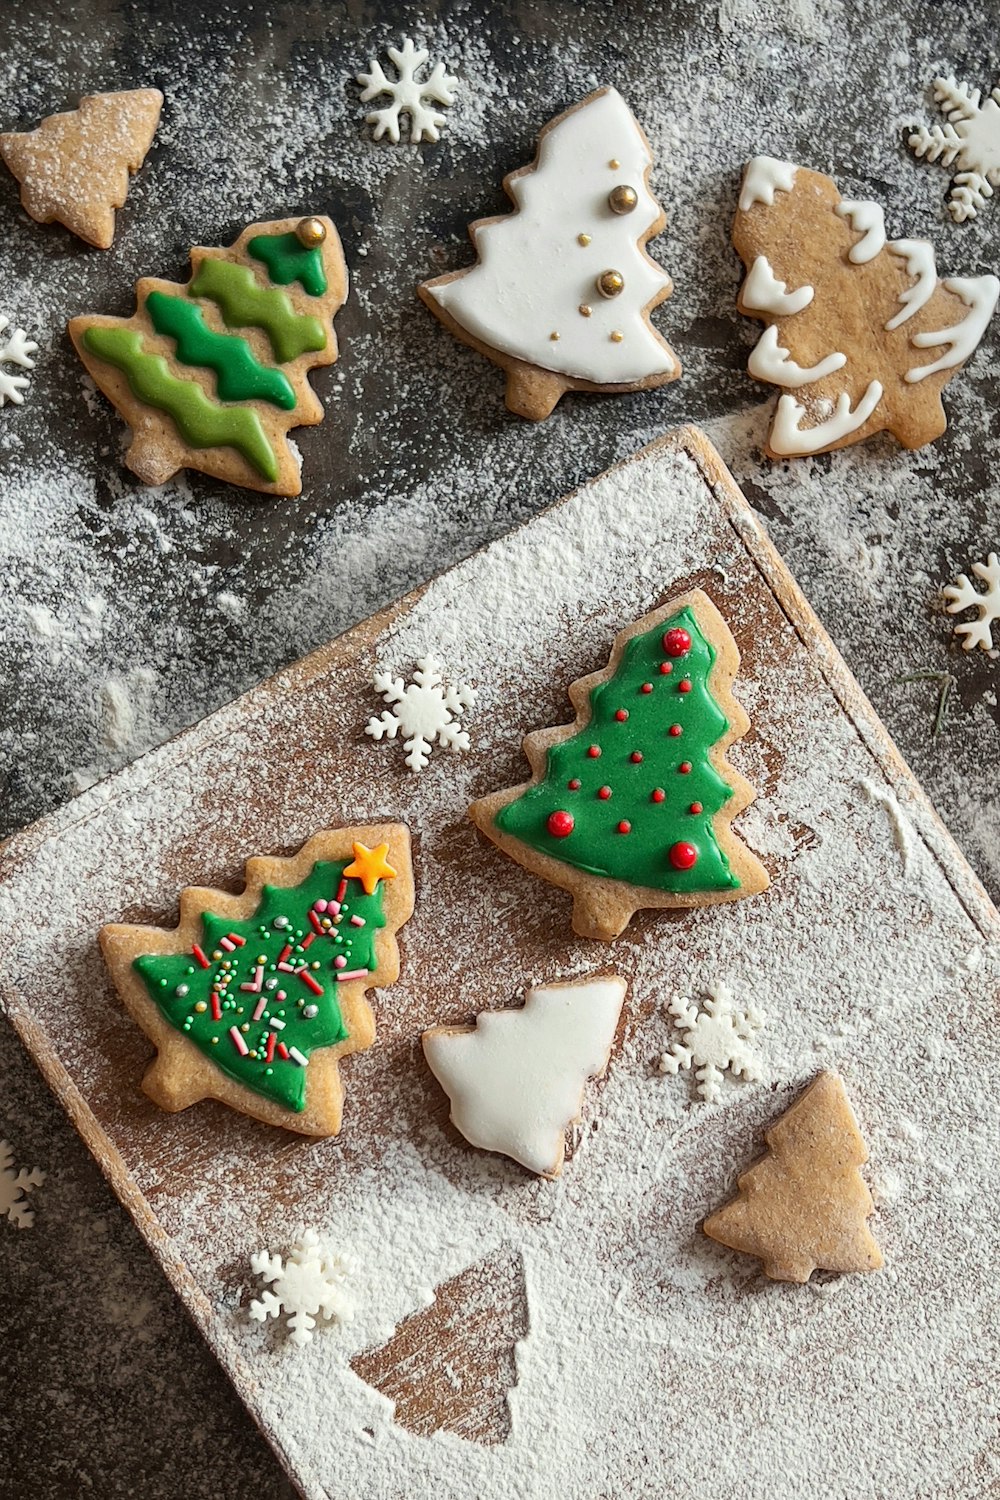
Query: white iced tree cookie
x: 849, y: 312
x: 425, y: 712
x: 516, y: 1078
x: 15, y: 349
x: 963, y: 594
x: 312, y: 1280
x: 562, y: 289
x: 408, y: 94
x: 969, y: 138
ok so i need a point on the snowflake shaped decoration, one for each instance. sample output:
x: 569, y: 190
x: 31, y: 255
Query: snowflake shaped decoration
x: 15, y: 349
x: 408, y: 94
x: 970, y: 136
x: 717, y: 1040
x: 425, y: 712
x: 963, y: 594
x: 14, y: 1188
x: 312, y: 1280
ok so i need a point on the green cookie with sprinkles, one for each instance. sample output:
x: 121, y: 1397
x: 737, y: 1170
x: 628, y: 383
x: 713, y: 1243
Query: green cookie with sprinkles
x: 253, y: 999
x: 632, y: 805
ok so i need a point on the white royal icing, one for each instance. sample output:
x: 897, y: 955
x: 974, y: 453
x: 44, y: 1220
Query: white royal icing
x: 533, y: 274
x: 868, y: 220
x: 763, y: 292
x: 979, y: 293
x: 788, y: 437
x: 516, y: 1079
x: 771, y: 361
x: 765, y: 176
x: 919, y: 257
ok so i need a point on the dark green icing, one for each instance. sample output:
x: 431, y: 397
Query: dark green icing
x: 239, y: 374
x: 288, y: 260
x: 282, y: 1080
x: 641, y: 856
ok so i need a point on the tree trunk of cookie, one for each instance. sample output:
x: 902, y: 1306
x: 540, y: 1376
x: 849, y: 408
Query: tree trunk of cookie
x: 533, y: 393
x: 600, y: 916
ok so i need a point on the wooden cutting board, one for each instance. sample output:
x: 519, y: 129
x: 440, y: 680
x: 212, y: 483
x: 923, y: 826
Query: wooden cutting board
x: 516, y: 1337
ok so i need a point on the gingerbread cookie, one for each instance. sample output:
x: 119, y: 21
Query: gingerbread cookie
x: 198, y: 396
x: 75, y: 167
x: 849, y: 314
x: 516, y: 1078
x: 562, y: 291
x: 253, y: 999
x: 804, y: 1207
x: 631, y: 806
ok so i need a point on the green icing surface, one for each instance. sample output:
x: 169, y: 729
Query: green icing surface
x: 287, y: 260
x: 245, y: 304
x: 267, y: 934
x: 201, y: 422
x: 640, y: 856
x: 240, y: 375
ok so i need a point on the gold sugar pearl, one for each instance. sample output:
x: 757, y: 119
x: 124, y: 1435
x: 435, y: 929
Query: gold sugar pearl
x: 585, y: 310
x: 554, y: 337
x: 583, y: 239
x: 310, y: 233
x: 622, y: 199
x: 614, y: 164
x: 617, y: 336
x: 610, y: 283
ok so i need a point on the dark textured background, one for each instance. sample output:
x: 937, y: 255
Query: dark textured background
x: 127, y: 614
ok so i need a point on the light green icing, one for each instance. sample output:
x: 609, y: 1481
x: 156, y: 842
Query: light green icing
x: 245, y: 304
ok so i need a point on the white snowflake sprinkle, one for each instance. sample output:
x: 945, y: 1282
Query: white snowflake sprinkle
x: 408, y: 94
x: 14, y: 1188
x: 970, y: 136
x: 15, y: 349
x: 963, y: 594
x: 425, y: 712
x: 312, y: 1280
x: 717, y: 1040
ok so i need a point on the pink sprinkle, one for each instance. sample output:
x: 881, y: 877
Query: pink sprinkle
x: 228, y: 944
x: 341, y: 891
x: 352, y: 974
x: 238, y: 1042
x: 334, y: 907
x: 340, y: 962
x: 319, y: 906
x: 260, y: 1007
x: 282, y: 995
x: 258, y: 980
x: 357, y: 921
x: 286, y: 968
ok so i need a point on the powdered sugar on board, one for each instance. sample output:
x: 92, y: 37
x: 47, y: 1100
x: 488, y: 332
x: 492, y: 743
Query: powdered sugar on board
x: 631, y: 1312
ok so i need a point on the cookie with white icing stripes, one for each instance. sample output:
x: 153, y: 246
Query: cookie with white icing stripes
x: 862, y: 335
x: 562, y: 289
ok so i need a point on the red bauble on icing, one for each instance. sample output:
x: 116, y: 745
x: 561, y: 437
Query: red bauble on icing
x: 594, y: 751
x: 560, y: 824
x: 647, y: 687
x: 657, y: 794
x: 621, y: 714
x: 666, y: 667
x: 624, y: 826
x: 684, y: 686
x: 685, y: 768
x: 604, y: 793
x: 677, y: 642
x: 636, y: 757
x: 675, y: 730
x: 696, y: 808
x: 574, y: 785
x: 683, y: 856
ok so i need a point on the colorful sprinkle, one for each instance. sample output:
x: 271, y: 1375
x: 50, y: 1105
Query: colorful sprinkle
x: 260, y: 1007
x: 269, y: 1054
x: 317, y: 924
x: 200, y: 956
x: 238, y: 1042
x: 352, y: 974
x: 307, y: 978
x: 283, y: 1051
x: 276, y: 1023
x: 357, y: 922
x: 298, y: 1057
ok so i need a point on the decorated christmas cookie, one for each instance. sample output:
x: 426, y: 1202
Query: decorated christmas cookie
x: 214, y: 374
x: 562, y: 290
x: 75, y: 167
x: 862, y: 335
x: 805, y: 1207
x: 631, y: 806
x: 254, y: 998
x: 516, y: 1078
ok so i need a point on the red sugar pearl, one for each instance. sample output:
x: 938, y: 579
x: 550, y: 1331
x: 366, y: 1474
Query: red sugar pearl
x: 675, y: 730
x: 560, y: 824
x: 574, y: 785
x: 657, y: 795
x: 677, y: 642
x: 604, y: 792
x: 594, y: 751
x: 696, y: 808
x: 647, y: 687
x: 621, y: 714
x: 624, y: 826
x: 666, y: 667
x: 683, y: 856
x: 684, y: 686
x: 636, y: 757
x: 685, y: 768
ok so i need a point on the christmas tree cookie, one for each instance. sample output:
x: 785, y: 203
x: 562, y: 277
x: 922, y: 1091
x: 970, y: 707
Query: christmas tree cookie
x: 562, y: 290
x: 253, y: 999
x: 805, y: 1207
x: 861, y: 335
x: 75, y: 167
x: 631, y: 806
x: 214, y: 374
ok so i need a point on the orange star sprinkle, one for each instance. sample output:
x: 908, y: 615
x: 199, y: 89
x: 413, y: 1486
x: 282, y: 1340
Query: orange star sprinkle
x: 370, y: 866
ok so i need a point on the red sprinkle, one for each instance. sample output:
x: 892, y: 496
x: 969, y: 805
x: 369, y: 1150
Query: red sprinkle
x: 684, y: 686
x: 675, y: 730
x: 574, y: 785
x: 234, y: 937
x: 283, y: 955
x: 307, y: 978
x: 604, y: 792
x: 647, y: 687
x: 683, y: 856
x: 685, y: 768
x: 200, y: 956
x: 636, y: 757
x: 621, y: 714
x: 283, y: 1051
x: 342, y: 890
x: 594, y: 751
x: 310, y: 937
x: 677, y: 642
x: 317, y: 924
x: 657, y: 795
x: 696, y: 807
x: 624, y: 826
x: 216, y: 1007
x: 560, y: 824
x: 666, y: 667
x: 271, y: 1039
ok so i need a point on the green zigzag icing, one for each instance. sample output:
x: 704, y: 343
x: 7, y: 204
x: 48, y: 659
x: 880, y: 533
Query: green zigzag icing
x: 287, y: 260
x: 201, y: 422
x: 239, y: 374
x: 244, y: 304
